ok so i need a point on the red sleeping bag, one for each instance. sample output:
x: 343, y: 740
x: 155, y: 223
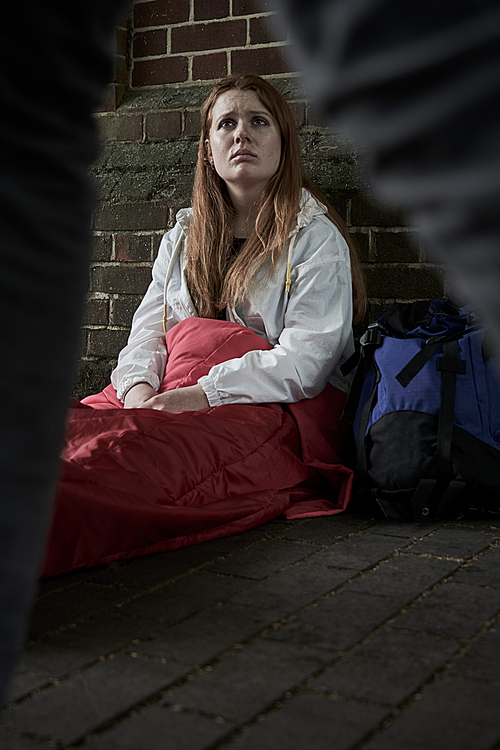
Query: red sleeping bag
x: 138, y: 481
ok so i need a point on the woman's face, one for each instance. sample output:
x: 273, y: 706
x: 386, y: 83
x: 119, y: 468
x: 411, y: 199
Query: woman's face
x: 244, y: 142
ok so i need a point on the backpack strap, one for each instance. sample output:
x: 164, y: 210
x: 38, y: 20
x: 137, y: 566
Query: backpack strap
x: 434, y: 497
x: 416, y: 363
x: 370, y: 340
x: 362, y: 452
x: 449, y: 365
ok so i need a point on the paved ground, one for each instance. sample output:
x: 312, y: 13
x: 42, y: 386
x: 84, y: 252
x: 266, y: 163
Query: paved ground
x: 344, y: 633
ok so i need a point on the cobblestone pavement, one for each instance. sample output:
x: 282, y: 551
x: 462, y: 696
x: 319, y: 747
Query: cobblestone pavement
x: 343, y: 633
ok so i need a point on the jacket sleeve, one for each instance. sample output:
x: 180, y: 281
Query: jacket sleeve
x: 317, y: 330
x: 143, y: 358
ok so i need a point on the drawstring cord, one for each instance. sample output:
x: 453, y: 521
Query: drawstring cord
x: 288, y: 280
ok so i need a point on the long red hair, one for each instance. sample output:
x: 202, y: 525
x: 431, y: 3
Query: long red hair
x: 211, y: 283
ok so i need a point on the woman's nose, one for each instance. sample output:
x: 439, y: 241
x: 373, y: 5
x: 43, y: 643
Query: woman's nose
x: 241, y: 133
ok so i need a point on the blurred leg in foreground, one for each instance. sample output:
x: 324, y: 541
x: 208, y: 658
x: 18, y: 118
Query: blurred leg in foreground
x: 53, y: 77
x: 417, y: 84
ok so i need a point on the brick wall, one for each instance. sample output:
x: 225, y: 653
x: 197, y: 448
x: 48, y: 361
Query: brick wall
x: 168, y: 55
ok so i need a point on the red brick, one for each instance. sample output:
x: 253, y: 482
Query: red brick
x: 123, y: 21
x: 123, y: 309
x: 398, y: 281
x: 261, y: 61
x: 209, y: 66
x: 160, y: 70
x: 205, y: 10
x: 120, y: 279
x: 131, y: 247
x: 362, y: 242
x: 112, y: 97
x: 162, y: 125
x: 396, y: 247
x: 365, y: 213
x: 118, y: 128
x: 121, y: 42
x: 263, y: 30
x: 96, y: 312
x: 106, y: 343
x: 127, y: 217
x: 204, y: 36
x: 157, y: 238
x: 299, y: 113
x: 101, y: 247
x: 193, y: 123
x: 150, y: 43
x: 314, y: 118
x: 248, y: 7
x: 120, y: 72
x: 160, y: 13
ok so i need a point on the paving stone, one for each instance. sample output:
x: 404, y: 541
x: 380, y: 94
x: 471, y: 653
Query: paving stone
x: 339, y: 622
x: 150, y: 570
x: 481, y: 524
x: 263, y: 559
x: 359, y: 552
x: 403, y: 528
x: 326, y: 529
x: 236, y: 542
x: 62, y: 608
x: 293, y: 588
x: 282, y: 522
x: 63, y: 581
x: 405, y: 576
x: 72, y: 649
x: 248, y: 682
x: 311, y: 722
x: 161, y: 728
x: 453, y: 541
x: 482, y: 660
x: 441, y: 733
x: 485, y: 571
x: 67, y: 711
x: 184, y: 597
x: 268, y: 575
x: 24, y: 682
x: 15, y: 742
x: 452, y: 609
x: 389, y: 667
x: 455, y: 714
x: 205, y: 635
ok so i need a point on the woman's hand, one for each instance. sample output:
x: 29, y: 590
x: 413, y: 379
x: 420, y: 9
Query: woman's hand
x: 191, y: 398
x: 137, y: 395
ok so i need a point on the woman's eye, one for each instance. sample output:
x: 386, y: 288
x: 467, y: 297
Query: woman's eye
x: 260, y: 121
x: 226, y: 123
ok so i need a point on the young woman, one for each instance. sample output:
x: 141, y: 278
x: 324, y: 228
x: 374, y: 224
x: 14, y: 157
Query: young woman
x: 251, y: 305
x: 260, y: 247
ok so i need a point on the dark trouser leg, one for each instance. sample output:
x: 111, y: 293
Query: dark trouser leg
x: 417, y: 82
x: 52, y: 80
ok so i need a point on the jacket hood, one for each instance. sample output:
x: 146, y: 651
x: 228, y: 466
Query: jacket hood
x: 309, y: 208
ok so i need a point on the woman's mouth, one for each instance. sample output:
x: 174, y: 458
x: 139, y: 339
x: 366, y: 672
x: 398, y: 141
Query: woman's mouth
x: 243, y: 155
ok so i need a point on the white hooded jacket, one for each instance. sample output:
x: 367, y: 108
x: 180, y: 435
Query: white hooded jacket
x: 309, y: 326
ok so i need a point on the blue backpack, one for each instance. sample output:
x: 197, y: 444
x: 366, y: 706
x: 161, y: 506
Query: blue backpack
x: 425, y: 406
